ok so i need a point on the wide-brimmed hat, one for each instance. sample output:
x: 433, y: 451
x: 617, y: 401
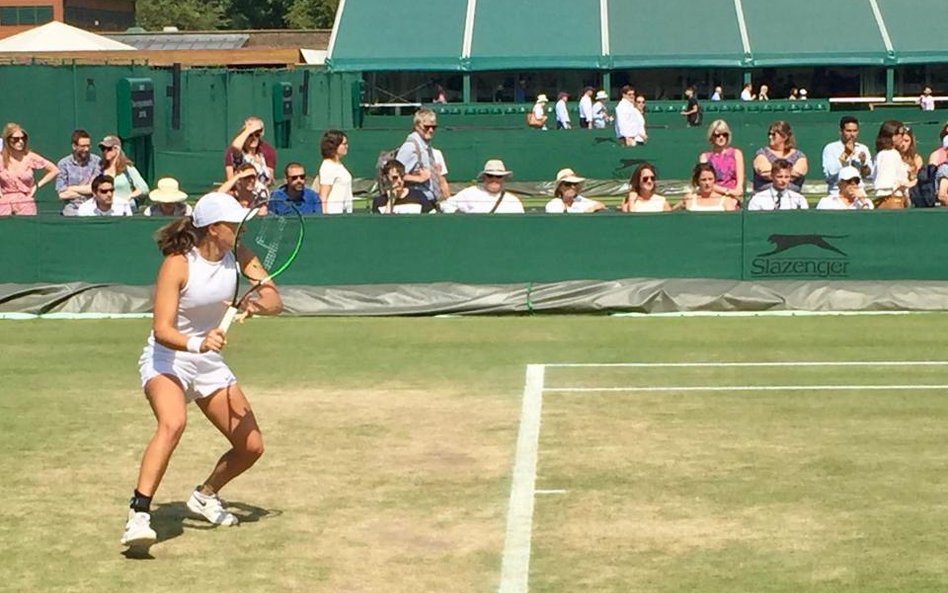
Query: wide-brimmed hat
x: 110, y: 142
x: 496, y: 168
x: 218, y: 207
x: 167, y: 191
x: 541, y: 98
x: 568, y: 176
x: 602, y: 96
x: 849, y: 173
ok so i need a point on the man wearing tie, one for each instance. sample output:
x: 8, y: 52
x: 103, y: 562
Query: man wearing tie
x: 779, y: 196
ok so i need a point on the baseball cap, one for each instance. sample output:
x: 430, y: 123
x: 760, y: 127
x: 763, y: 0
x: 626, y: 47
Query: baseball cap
x: 218, y: 207
x: 848, y: 173
x: 110, y: 142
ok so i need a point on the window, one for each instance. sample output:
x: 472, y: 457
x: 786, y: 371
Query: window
x: 25, y: 15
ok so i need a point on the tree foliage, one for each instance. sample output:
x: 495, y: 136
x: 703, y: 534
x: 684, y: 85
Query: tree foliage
x: 193, y: 15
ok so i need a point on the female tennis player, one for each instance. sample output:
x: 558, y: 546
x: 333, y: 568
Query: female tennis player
x: 182, y: 362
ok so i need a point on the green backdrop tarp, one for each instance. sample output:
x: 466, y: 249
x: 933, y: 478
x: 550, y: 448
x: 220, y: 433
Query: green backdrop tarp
x: 916, y: 30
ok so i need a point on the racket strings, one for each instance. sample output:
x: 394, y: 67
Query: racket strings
x: 270, y: 238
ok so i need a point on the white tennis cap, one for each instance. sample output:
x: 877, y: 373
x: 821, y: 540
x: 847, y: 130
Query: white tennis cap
x: 218, y: 207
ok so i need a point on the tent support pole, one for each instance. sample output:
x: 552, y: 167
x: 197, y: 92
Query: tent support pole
x: 466, y: 89
x: 889, y: 84
x: 607, y: 82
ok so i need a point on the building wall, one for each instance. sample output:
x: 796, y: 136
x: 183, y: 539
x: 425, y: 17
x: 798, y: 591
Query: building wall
x: 17, y: 16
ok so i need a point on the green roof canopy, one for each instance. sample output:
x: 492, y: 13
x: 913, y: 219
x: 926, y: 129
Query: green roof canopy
x: 479, y: 35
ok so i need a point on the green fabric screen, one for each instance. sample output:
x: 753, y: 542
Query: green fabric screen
x: 916, y: 29
x: 644, y: 33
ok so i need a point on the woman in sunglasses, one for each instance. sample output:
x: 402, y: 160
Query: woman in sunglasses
x: 781, y: 145
x: 727, y: 161
x: 248, y: 147
x: 130, y: 186
x: 642, y: 192
x: 892, y: 173
x: 18, y: 164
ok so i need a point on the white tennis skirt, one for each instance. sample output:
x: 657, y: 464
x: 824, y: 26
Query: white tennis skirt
x: 201, y: 375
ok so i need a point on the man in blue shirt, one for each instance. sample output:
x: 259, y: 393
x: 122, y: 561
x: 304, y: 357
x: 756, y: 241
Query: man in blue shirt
x: 295, y: 191
x: 76, y: 171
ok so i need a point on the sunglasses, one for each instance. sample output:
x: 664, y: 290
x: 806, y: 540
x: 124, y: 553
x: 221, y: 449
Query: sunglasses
x: 569, y: 184
x: 295, y: 177
x: 774, y: 133
x: 722, y: 135
x: 17, y: 138
x: 256, y: 135
x: 429, y: 128
x: 488, y: 176
x: 395, y: 177
x: 106, y: 190
x: 104, y: 148
x: 648, y: 178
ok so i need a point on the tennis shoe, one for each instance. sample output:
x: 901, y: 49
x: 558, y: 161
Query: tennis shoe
x: 211, y: 508
x: 138, y: 531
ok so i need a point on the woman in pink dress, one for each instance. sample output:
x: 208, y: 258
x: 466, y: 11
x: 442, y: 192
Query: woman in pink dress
x: 17, y: 166
x: 727, y: 161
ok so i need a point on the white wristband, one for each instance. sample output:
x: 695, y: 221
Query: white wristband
x: 194, y: 344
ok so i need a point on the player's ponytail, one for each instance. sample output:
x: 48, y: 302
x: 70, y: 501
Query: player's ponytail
x: 178, y: 236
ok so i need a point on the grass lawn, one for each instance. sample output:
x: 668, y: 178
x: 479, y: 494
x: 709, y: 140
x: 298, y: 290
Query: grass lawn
x: 391, y: 443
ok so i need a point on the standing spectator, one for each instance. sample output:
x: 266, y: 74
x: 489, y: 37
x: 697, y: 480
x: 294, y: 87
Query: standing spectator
x: 846, y: 152
x: 586, y: 108
x: 747, y: 93
x: 892, y: 174
x: 76, y: 171
x: 18, y: 163
x: 335, y: 181
x: 600, y: 112
x: 727, y: 161
x: 417, y: 154
x: 248, y: 146
x: 129, y: 183
x: 643, y: 196
x: 168, y: 199
x: 763, y: 95
x: 718, y: 94
x: 566, y: 196
x: 102, y: 203
x: 395, y: 197
x: 781, y: 145
x: 703, y: 197
x: 439, y: 95
x: 294, y: 190
x: 520, y: 91
x: 850, y: 195
x: 778, y: 196
x: 538, y: 113
x: 630, y: 125
x: 926, y: 102
x: 562, y: 112
x: 939, y: 156
x: 692, y: 109
x: 489, y: 197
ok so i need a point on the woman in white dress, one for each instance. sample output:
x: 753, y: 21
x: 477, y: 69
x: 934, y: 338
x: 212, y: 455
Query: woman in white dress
x: 642, y: 195
x: 335, y: 181
x: 704, y: 198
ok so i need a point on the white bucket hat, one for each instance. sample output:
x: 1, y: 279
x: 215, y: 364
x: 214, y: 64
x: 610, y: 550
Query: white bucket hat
x: 495, y: 167
x: 541, y: 98
x: 218, y: 207
x: 167, y: 191
x: 568, y: 176
x: 602, y: 96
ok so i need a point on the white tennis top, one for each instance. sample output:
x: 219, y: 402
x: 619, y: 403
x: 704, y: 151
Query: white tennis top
x: 204, y: 298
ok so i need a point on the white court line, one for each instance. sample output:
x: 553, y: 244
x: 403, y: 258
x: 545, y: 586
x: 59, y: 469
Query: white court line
x: 515, y: 569
x: 659, y: 365
x: 746, y: 388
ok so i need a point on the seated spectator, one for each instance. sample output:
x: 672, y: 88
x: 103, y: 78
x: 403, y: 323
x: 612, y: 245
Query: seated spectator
x: 781, y: 145
x: 538, y: 115
x: 913, y: 161
x: 562, y: 112
x: 245, y: 189
x: 168, y: 199
x: 763, y: 94
x: 941, y: 182
x: 779, y: 196
x: 335, y: 181
x: 76, y: 170
x: 489, y: 197
x: 18, y: 164
x: 794, y: 94
x: 396, y: 197
x: 130, y: 186
x: 846, y: 152
x: 248, y: 146
x: 566, y: 196
x: 642, y: 196
x: 892, y: 174
x: 727, y: 161
x: 939, y: 156
x: 600, y: 112
x: 926, y: 101
x: 295, y: 192
x: 102, y: 202
x: 803, y: 94
x: 850, y: 195
x: 718, y: 94
x: 703, y: 197
x: 747, y: 93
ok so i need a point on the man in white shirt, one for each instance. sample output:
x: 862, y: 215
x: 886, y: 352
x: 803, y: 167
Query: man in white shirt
x: 747, y: 94
x: 846, y: 152
x: 630, y: 125
x: 103, y: 189
x: 489, y: 197
x: 586, y: 108
x: 562, y: 113
x: 850, y: 196
x: 779, y: 196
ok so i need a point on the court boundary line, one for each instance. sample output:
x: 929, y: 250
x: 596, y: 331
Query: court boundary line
x: 515, y: 563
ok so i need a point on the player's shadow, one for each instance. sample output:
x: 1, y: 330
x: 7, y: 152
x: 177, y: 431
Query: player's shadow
x: 170, y: 519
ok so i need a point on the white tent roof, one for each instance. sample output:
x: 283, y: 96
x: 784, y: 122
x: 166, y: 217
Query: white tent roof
x: 56, y: 36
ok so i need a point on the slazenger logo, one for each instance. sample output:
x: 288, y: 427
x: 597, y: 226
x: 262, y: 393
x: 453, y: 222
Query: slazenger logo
x: 787, y: 260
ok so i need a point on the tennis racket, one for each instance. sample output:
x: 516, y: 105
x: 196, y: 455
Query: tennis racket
x: 273, y: 231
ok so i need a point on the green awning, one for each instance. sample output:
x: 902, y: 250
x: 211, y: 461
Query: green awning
x: 536, y: 34
x: 917, y: 30
x: 674, y: 33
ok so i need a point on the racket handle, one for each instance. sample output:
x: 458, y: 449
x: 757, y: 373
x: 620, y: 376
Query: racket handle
x: 228, y: 319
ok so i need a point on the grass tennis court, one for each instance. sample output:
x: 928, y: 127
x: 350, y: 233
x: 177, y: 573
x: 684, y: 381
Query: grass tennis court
x: 391, y: 446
